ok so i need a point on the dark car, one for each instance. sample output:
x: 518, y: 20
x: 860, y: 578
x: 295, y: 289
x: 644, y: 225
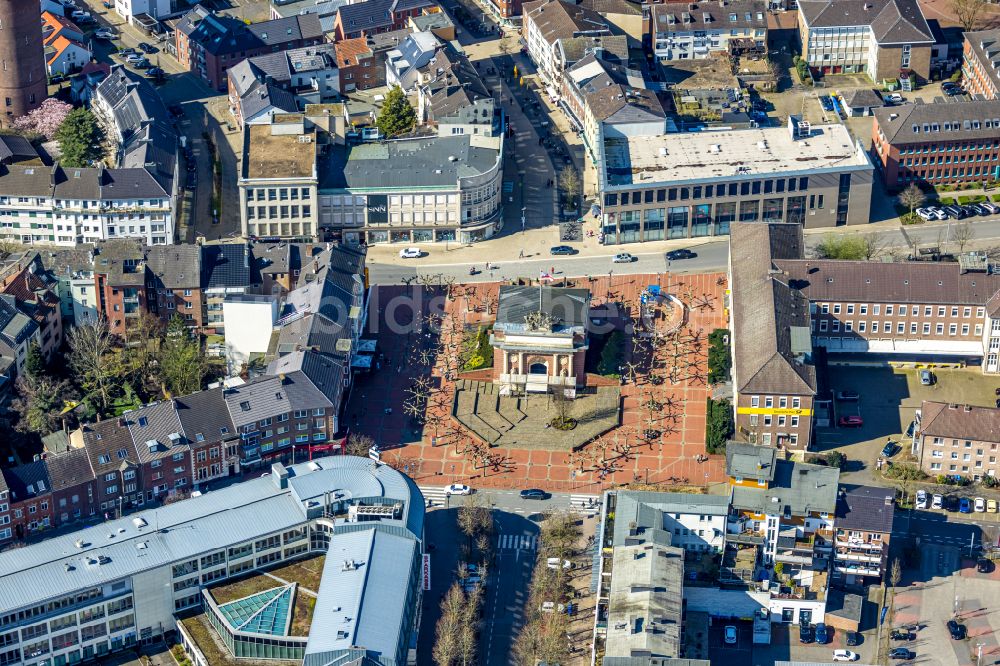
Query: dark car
x: 822, y: 635
x: 562, y: 249
x: 848, y: 396
x: 147, y: 47
x: 889, y: 450
x: 127, y: 52
x: 176, y: 110
x: 683, y: 253
x: 900, y: 653
x: 805, y: 633
x: 534, y: 493
x: 853, y: 638
x: 901, y: 635
x: 154, y: 72
x: 956, y: 630
x: 984, y: 565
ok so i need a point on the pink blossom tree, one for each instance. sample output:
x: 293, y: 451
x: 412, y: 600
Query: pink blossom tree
x: 44, y: 120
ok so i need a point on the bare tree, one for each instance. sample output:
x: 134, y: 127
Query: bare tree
x: 92, y: 359
x: 9, y: 247
x: 912, y: 197
x: 475, y: 517
x: 505, y: 44
x: 968, y: 12
x: 446, y: 644
x: 873, y: 245
x: 569, y: 183
x: 962, y: 233
x: 895, y: 573
x: 359, y: 444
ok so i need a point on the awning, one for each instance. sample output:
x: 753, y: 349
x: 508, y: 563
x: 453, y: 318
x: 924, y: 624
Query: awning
x: 366, y: 346
x: 364, y: 362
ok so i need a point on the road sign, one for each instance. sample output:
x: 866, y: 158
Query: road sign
x: 375, y: 454
x: 885, y: 609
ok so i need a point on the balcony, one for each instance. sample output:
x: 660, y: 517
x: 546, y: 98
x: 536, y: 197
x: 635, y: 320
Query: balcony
x: 851, y: 556
x: 856, y: 544
x: 857, y: 570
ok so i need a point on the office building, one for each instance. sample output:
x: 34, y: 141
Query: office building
x: 698, y: 183
x: 957, y: 441
x: 694, y: 31
x: 981, y: 63
x: 936, y: 144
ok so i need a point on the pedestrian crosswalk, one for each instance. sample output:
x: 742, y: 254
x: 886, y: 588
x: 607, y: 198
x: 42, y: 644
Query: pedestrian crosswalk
x: 434, y: 494
x: 585, y: 503
x: 517, y: 542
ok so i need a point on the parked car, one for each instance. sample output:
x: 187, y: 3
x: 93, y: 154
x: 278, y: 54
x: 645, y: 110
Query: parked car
x: 991, y: 506
x: 900, y: 653
x: 410, y: 253
x: 964, y: 505
x: 133, y: 58
x: 991, y: 208
x: 105, y: 33
x: 984, y: 565
x: 853, y: 638
x: 956, y: 630
x: 146, y: 47
x: 937, y: 502
x: 822, y: 636
x: 730, y: 634
x: 921, y: 502
x: 848, y: 396
x: 979, y: 505
x: 889, y: 450
x: 894, y: 98
x: 902, y: 635
x: 951, y: 92
x: 141, y: 63
x: 127, y: 51
x: 458, y: 489
x: 925, y: 214
x: 805, y: 633
x: 154, y: 72
x: 926, y: 377
x: 534, y: 493
x: 941, y: 215
x: 561, y: 250
x: 623, y: 258
x: 683, y: 253
x: 844, y: 655
x: 851, y: 421
x: 81, y: 16
x: 956, y: 212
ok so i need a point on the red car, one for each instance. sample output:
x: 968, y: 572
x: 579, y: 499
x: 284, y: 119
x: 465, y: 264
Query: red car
x: 851, y: 422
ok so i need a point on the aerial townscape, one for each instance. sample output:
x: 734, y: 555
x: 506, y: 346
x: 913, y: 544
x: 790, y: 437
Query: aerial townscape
x: 499, y: 332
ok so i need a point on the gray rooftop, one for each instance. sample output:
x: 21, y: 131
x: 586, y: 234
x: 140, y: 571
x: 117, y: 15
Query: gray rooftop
x: 960, y: 120
x: 749, y: 461
x: 646, y: 509
x: 891, y: 21
x: 568, y: 307
x: 192, y: 527
x: 797, y: 489
x: 432, y: 163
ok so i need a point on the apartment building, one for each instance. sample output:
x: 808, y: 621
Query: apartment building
x: 173, y: 283
x: 17, y: 333
x: 361, y: 60
x: 699, y: 183
x: 225, y: 271
x: 981, y: 63
x: 782, y: 512
x: 695, y: 523
x: 774, y: 381
x: 606, y: 99
x: 28, y: 495
x: 864, y: 529
x: 957, y: 441
x: 886, y: 39
x: 372, y: 17
x: 694, y: 31
x: 210, y: 434
x: 209, y: 44
x: 937, y: 144
x: 443, y: 188
x: 546, y: 23
x: 452, y: 97
x: 35, y: 294
x: 83, y: 595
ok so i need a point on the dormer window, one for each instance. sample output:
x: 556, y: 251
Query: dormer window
x: 732, y: 18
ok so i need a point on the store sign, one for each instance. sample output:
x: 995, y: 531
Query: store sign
x: 377, y: 208
x: 426, y: 572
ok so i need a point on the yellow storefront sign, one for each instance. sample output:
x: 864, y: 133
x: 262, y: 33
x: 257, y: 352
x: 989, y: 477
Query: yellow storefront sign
x: 777, y: 411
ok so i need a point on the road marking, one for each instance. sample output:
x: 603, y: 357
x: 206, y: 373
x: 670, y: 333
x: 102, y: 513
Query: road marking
x: 517, y: 542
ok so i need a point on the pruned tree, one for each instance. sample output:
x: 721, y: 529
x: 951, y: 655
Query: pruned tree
x: 358, y: 444
x: 968, y: 12
x: 962, y: 234
x: 912, y: 197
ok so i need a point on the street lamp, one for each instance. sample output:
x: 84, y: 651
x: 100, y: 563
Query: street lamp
x: 523, y: 209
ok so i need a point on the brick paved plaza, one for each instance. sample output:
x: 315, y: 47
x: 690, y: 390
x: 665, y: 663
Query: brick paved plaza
x: 406, y: 402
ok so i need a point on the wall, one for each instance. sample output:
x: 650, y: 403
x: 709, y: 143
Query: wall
x: 154, y: 604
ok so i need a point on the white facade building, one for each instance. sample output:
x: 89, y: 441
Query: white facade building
x: 248, y: 320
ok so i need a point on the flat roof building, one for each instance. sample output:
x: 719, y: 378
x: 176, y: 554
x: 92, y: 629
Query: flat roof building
x: 698, y: 183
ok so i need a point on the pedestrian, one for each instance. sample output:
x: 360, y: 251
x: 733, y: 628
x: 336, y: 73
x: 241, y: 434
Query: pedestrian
x: 521, y: 256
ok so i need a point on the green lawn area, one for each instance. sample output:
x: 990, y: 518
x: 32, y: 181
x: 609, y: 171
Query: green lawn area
x: 302, y: 613
x: 215, y: 652
x: 978, y: 198
x: 243, y: 587
x: 305, y: 572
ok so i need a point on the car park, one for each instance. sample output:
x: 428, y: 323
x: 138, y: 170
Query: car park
x: 937, y: 502
x: 956, y: 630
x: 623, y: 258
x: 844, y: 655
x: 822, y: 635
x: 979, y: 505
x: 534, y: 493
x: 900, y: 653
x: 926, y: 377
x: 964, y: 505
x: 921, y: 502
x: 683, y: 253
x: 458, y: 489
x: 730, y: 634
x: 410, y: 253
x: 848, y: 396
x: 984, y: 565
x: 851, y: 421
x: 561, y: 250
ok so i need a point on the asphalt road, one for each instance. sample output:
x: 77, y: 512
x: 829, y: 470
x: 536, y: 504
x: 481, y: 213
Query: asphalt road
x: 936, y: 528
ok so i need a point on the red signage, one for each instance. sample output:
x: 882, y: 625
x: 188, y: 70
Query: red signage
x: 426, y: 572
